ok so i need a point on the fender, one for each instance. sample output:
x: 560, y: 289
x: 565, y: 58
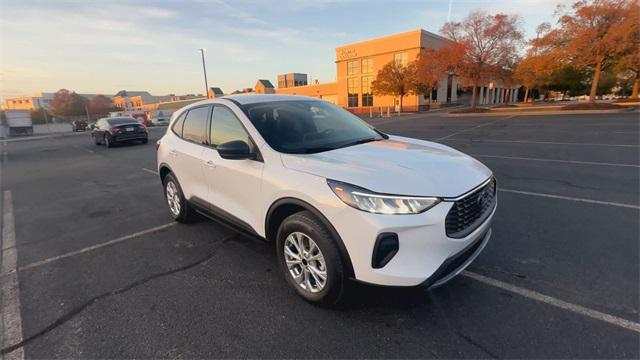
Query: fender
x: 344, y: 254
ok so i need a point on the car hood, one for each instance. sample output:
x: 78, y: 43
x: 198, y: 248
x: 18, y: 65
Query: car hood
x: 400, y: 166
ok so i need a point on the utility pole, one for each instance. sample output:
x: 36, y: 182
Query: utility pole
x: 204, y: 69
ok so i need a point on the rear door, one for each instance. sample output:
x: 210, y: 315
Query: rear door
x: 186, y: 152
x: 234, y: 185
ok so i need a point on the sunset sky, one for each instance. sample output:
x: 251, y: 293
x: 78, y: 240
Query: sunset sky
x: 105, y: 46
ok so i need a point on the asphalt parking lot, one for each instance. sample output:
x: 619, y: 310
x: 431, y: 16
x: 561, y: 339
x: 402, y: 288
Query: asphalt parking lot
x: 102, y: 272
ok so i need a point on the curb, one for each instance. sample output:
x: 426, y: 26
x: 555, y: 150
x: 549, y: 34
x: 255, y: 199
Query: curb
x: 542, y: 112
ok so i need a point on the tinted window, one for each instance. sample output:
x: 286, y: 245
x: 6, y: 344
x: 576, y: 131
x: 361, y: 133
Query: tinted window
x: 177, y: 125
x: 308, y: 126
x: 121, y: 121
x: 226, y: 127
x: 195, y: 125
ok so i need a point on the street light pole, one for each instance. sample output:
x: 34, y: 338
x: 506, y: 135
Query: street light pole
x: 204, y: 69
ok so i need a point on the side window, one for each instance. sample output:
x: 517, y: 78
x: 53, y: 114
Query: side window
x: 195, y: 125
x: 226, y: 127
x: 177, y: 125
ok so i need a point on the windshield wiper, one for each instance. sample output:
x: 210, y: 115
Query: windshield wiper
x: 358, y: 142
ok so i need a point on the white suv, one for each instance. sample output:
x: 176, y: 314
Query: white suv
x: 340, y: 199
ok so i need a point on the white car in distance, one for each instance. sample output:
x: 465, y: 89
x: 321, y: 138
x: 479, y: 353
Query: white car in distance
x: 339, y: 199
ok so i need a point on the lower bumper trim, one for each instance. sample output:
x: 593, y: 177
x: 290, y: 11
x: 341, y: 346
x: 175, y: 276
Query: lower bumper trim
x: 458, y: 262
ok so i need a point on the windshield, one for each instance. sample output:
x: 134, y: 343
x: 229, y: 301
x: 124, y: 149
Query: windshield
x: 305, y: 127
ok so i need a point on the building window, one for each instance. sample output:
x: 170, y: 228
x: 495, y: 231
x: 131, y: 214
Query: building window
x: 401, y: 58
x: 367, y: 95
x: 353, y: 67
x: 367, y: 65
x: 352, y: 92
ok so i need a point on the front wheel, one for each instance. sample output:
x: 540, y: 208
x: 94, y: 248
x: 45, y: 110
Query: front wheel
x: 107, y: 143
x: 309, y: 259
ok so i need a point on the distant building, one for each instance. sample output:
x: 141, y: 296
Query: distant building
x: 264, y: 87
x: 292, y: 80
x: 134, y: 100
x: 37, y: 101
x: 215, y: 92
x: 357, y: 65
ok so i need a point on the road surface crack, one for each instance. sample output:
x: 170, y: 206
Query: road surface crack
x: 78, y: 309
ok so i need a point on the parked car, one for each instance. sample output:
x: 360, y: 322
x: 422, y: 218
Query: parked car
x: 79, y: 125
x: 339, y: 198
x: 114, y: 130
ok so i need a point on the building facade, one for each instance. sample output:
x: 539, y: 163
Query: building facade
x: 292, y: 80
x: 358, y: 64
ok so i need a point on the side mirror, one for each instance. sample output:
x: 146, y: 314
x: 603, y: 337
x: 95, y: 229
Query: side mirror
x: 235, y: 150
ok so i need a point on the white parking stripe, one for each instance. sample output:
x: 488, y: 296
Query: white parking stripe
x: 150, y: 171
x: 555, y: 160
x: 97, y: 246
x: 545, y: 142
x: 533, y: 295
x: 473, y: 128
x: 9, y: 285
x: 630, y: 206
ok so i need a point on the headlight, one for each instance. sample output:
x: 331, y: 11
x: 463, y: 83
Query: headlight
x: 369, y: 201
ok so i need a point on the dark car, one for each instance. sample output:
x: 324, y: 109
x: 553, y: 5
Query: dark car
x: 79, y: 125
x: 110, y: 131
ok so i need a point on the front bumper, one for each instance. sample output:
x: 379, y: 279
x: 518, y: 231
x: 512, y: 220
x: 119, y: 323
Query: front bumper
x: 425, y: 255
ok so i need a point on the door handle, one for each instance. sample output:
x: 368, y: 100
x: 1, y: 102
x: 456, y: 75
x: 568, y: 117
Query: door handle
x: 210, y: 163
x: 173, y: 152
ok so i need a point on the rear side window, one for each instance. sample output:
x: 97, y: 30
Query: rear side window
x: 195, y: 125
x: 177, y: 125
x: 226, y: 127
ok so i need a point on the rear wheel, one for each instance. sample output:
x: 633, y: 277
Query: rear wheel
x: 178, y: 206
x: 144, y: 141
x: 309, y: 259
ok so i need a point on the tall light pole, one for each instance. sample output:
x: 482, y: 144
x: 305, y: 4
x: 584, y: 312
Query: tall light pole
x: 204, y: 69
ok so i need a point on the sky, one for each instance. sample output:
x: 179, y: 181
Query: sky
x: 95, y: 46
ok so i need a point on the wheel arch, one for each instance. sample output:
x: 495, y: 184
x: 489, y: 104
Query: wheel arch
x: 163, y: 171
x: 283, y: 207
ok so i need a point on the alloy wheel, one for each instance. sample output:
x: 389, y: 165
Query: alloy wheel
x: 173, y: 198
x: 305, y: 262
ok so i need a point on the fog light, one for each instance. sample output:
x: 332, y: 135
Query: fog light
x: 384, y: 250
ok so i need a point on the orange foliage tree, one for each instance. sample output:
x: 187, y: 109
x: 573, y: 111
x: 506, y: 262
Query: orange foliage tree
x: 395, y: 79
x: 483, y: 46
x: 595, y: 35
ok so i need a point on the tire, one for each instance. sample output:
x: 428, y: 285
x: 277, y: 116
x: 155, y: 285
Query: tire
x: 184, y: 213
x: 106, y: 142
x: 144, y: 141
x: 95, y: 140
x: 302, y: 224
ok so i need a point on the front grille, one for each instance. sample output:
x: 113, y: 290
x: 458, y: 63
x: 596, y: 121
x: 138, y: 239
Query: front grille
x: 468, y: 213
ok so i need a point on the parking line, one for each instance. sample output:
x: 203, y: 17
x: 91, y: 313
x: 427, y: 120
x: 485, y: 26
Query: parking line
x: 150, y: 171
x: 97, y: 246
x: 545, y: 142
x: 555, y: 160
x: 9, y: 285
x: 473, y: 128
x: 574, y: 308
x: 630, y: 206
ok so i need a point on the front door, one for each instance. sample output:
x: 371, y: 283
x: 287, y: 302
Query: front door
x: 234, y: 185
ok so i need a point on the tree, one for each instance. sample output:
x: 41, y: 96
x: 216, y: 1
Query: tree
x: 595, y: 34
x: 68, y: 103
x: 395, y: 79
x: 428, y: 69
x: 570, y: 80
x: 101, y: 104
x: 59, y: 101
x: 483, y: 46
